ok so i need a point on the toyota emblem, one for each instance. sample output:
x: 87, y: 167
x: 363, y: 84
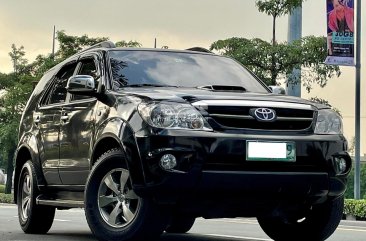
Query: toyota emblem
x: 265, y: 114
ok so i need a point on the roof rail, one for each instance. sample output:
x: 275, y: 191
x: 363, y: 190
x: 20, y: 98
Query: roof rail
x: 199, y: 49
x: 104, y: 44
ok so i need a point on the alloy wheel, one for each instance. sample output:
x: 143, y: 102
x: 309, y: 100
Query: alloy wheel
x: 117, y: 202
x: 26, y: 197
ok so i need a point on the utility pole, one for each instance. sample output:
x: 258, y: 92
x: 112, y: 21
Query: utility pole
x: 358, y: 103
x: 155, y: 44
x: 294, y: 33
x: 53, y: 42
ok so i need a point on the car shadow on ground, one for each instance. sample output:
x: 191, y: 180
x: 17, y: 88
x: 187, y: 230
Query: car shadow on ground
x: 73, y: 236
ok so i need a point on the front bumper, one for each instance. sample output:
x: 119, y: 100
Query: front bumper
x: 210, y: 163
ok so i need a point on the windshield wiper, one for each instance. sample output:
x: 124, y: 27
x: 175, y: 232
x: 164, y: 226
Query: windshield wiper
x: 232, y: 88
x: 148, y: 85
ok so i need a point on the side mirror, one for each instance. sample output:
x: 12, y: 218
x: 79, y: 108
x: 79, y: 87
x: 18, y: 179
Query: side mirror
x: 278, y: 90
x: 81, y: 85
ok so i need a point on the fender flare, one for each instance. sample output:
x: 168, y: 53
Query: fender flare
x: 118, y: 130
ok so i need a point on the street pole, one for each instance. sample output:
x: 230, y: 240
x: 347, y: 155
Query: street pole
x: 358, y: 103
x: 53, y: 42
x: 294, y: 33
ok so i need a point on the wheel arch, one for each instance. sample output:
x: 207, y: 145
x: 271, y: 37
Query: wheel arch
x: 22, y: 155
x: 118, y: 134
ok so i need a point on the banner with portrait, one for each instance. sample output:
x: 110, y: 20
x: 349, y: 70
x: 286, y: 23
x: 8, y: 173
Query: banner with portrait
x: 340, y: 34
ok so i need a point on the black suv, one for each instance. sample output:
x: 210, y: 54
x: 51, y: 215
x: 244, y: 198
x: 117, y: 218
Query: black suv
x: 147, y: 140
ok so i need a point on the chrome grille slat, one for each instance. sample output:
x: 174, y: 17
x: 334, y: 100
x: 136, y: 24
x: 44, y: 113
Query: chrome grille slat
x: 248, y: 117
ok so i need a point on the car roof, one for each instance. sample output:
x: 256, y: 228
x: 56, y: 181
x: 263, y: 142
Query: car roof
x: 147, y: 49
x: 194, y: 50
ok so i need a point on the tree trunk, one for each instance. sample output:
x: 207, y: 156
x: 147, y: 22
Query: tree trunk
x: 273, y: 62
x: 9, y: 171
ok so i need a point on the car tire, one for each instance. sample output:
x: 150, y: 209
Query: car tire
x: 33, y: 218
x: 320, y: 222
x: 180, y: 224
x: 112, y: 209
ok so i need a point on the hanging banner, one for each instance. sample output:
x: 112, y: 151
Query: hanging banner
x: 340, y: 22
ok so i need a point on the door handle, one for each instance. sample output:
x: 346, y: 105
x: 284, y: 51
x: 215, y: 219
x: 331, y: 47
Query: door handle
x: 37, y: 119
x: 64, y: 117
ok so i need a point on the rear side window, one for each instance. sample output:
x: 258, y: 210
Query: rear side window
x: 57, y: 93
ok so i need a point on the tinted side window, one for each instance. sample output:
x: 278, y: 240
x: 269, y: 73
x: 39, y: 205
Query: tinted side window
x: 58, y: 91
x: 88, y: 67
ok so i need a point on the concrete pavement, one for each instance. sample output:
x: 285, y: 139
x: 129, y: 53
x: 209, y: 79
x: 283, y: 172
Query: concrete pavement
x: 71, y: 225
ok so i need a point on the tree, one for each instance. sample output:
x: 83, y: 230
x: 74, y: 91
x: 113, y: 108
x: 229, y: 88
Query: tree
x: 277, y: 8
x: 41, y: 64
x: 259, y: 55
x: 17, y: 58
x: 69, y: 45
x: 130, y: 44
x: 12, y: 105
x: 16, y: 88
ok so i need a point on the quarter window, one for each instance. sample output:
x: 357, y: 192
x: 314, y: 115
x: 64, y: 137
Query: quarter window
x: 58, y: 92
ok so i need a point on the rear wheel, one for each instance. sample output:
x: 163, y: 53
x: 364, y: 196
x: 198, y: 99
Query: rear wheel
x: 113, y: 210
x: 180, y: 224
x: 33, y: 218
x: 318, y: 224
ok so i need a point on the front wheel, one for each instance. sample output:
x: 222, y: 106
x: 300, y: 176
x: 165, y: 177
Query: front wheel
x: 318, y: 224
x: 113, y: 210
x: 33, y: 218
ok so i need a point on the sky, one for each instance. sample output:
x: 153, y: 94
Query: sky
x: 175, y: 23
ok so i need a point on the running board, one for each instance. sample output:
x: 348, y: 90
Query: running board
x: 43, y: 200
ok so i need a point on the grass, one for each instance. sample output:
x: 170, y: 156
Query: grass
x: 6, y: 198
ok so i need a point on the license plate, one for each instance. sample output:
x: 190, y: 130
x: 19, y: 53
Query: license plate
x: 271, y: 151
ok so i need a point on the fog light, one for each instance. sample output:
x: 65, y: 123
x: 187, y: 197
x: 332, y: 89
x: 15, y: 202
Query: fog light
x: 341, y: 165
x: 168, y: 161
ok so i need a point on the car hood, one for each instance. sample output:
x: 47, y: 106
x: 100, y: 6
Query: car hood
x: 193, y: 95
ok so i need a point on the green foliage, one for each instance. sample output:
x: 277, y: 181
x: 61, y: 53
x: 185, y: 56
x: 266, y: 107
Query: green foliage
x: 16, y: 88
x: 350, y: 184
x: 70, y: 45
x: 272, y: 63
x: 277, y: 8
x: 42, y: 64
x: 17, y: 58
x: 2, y: 188
x: 356, y: 208
x: 129, y: 44
x: 6, y: 198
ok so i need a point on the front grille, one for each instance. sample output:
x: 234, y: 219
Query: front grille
x: 240, y: 117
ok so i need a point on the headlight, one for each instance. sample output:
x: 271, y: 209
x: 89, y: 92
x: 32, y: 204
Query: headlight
x: 328, y: 122
x: 173, y: 115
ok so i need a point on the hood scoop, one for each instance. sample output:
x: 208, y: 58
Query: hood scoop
x: 228, y: 88
x: 190, y: 98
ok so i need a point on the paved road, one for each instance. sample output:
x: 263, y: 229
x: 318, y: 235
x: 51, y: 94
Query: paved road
x: 71, y: 225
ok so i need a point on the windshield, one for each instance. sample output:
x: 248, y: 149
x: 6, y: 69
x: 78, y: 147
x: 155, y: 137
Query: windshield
x: 159, y: 68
